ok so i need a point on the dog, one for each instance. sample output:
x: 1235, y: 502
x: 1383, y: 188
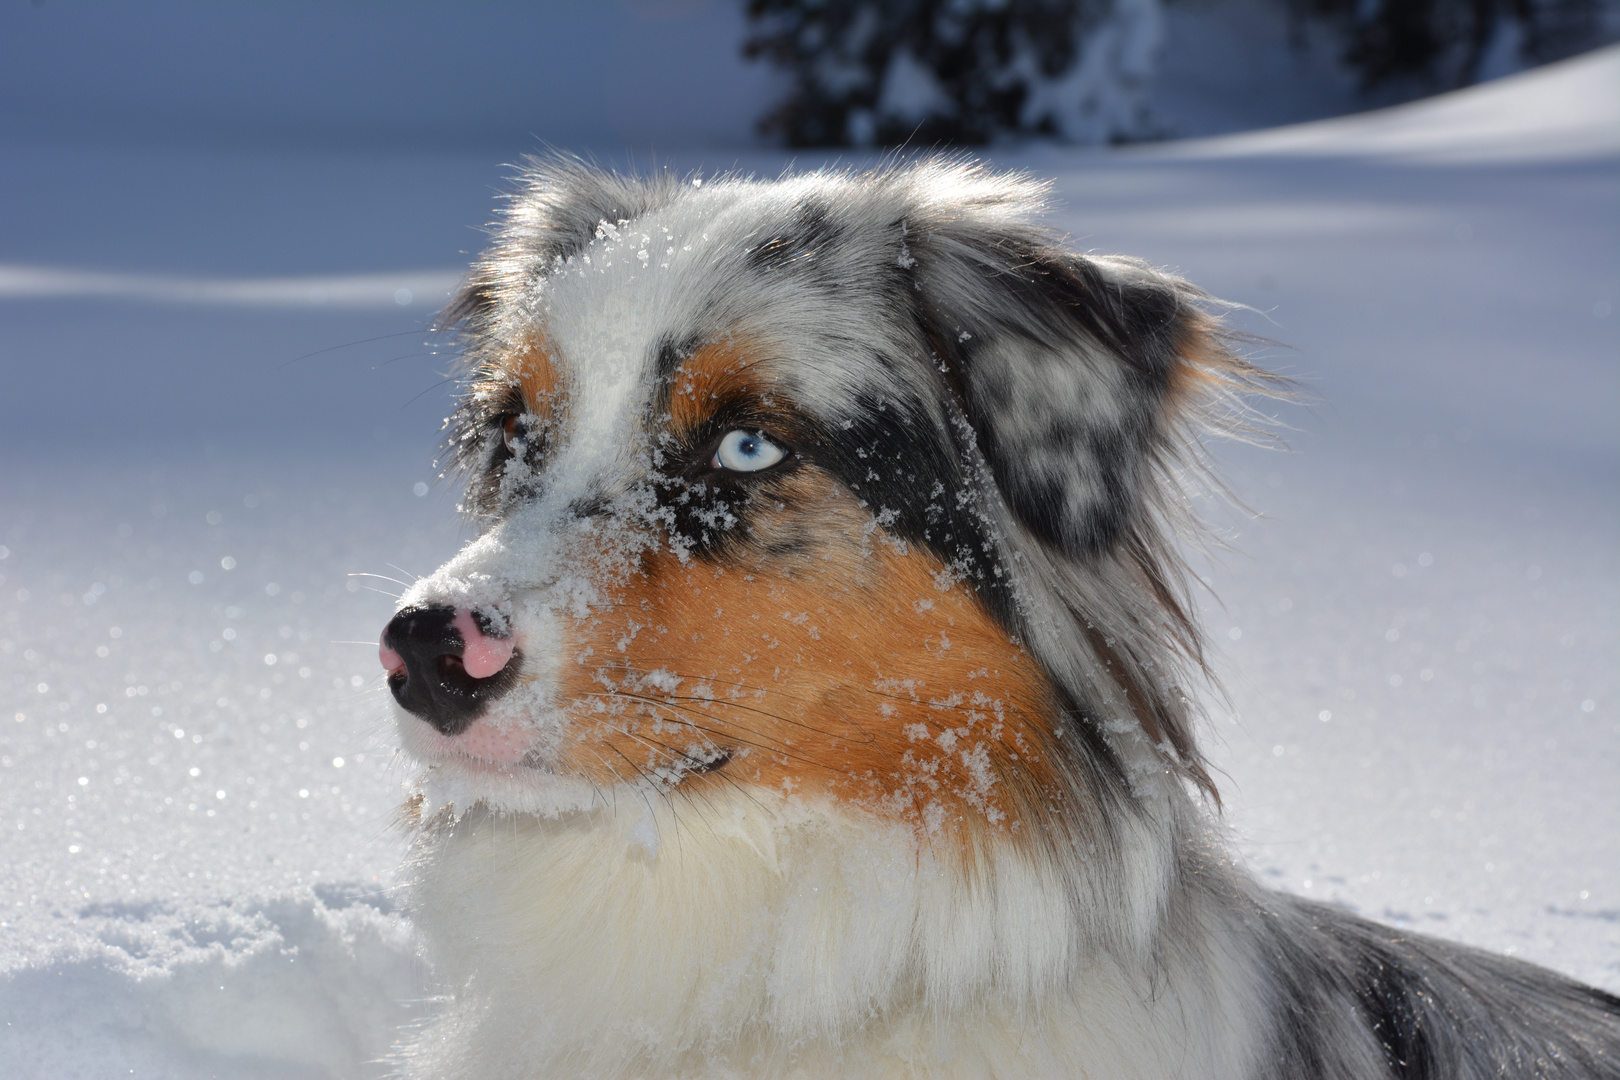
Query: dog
x: 818, y: 697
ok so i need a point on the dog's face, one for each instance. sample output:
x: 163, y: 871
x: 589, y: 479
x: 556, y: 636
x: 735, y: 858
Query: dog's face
x: 792, y: 488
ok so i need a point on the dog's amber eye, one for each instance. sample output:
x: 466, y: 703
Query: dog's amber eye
x: 512, y: 431
x: 746, y: 451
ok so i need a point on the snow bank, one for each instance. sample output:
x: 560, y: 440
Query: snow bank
x: 313, y: 983
x: 198, y: 795
x: 1568, y: 111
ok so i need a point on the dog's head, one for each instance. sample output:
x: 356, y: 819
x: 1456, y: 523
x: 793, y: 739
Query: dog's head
x: 849, y: 486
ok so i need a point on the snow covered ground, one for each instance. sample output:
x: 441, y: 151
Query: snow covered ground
x: 218, y: 406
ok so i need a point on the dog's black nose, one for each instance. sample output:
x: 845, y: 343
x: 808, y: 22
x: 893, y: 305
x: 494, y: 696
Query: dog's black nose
x: 445, y: 666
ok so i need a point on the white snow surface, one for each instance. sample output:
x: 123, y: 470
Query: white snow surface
x: 1415, y: 619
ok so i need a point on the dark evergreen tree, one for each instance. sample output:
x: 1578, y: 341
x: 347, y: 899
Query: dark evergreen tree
x: 1441, y: 44
x: 957, y: 71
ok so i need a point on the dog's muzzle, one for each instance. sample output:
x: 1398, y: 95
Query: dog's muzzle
x: 445, y: 666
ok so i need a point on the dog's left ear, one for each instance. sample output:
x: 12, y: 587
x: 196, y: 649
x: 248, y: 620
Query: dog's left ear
x: 1067, y: 368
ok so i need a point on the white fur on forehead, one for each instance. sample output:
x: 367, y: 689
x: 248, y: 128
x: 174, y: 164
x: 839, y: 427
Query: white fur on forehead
x: 696, y: 266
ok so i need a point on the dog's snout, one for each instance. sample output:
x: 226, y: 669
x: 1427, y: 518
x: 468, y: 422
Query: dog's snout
x: 445, y: 666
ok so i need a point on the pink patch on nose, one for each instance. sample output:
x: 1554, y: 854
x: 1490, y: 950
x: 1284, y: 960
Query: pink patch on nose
x: 481, y: 654
x: 391, y: 660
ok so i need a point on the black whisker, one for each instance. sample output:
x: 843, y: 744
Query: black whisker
x: 429, y: 390
x: 771, y: 715
x: 743, y: 789
x: 652, y: 782
x: 747, y: 708
x: 637, y: 771
x: 722, y: 735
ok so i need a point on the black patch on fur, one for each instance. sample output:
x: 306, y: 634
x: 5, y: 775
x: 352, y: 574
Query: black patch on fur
x: 1063, y: 305
x: 707, y: 765
x: 710, y: 513
x: 788, y: 548
x: 1098, y: 755
x: 813, y: 229
x: 1432, y: 1009
x: 894, y: 458
x: 589, y: 506
x: 666, y: 360
x: 475, y: 301
x: 1388, y: 1005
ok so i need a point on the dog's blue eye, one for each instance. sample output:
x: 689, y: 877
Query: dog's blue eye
x: 745, y: 451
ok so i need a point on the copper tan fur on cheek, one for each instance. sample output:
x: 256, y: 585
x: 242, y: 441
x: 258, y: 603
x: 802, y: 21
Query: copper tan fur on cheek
x: 857, y: 668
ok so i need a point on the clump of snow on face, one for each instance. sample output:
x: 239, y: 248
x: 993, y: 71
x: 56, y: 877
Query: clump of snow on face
x: 878, y: 527
x: 905, y: 260
x: 981, y: 777
x: 659, y: 679
x: 521, y: 475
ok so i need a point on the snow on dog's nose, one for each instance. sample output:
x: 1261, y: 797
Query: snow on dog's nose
x: 444, y: 666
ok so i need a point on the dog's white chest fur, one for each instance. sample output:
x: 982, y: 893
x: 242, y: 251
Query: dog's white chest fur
x: 746, y: 937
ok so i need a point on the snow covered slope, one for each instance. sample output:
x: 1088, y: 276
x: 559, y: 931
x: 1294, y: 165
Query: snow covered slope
x: 1419, y: 636
x: 1561, y: 112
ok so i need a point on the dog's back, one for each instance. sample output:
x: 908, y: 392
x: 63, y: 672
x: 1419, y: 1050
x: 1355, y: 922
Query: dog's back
x: 1437, y: 1010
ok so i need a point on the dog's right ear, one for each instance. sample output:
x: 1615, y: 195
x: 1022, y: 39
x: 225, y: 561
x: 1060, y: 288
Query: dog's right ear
x: 1087, y: 382
x: 1067, y: 367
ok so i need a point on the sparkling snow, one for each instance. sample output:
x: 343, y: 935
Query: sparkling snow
x: 1418, y: 635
